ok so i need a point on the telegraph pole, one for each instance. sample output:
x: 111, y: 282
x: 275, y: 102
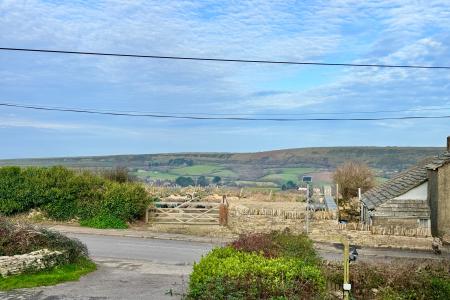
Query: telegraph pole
x: 307, y: 209
x: 337, y: 201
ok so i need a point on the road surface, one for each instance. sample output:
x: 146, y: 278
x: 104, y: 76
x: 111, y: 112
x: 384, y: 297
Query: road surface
x: 137, y: 268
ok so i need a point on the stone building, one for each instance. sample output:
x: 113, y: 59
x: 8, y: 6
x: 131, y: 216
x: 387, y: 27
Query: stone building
x: 418, y: 197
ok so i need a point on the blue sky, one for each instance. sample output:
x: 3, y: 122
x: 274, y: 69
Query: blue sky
x: 386, y: 32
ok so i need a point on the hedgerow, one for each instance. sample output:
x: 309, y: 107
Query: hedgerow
x: 226, y: 273
x: 260, y: 266
x: 64, y: 194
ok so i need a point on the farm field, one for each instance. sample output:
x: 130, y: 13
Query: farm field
x: 268, y: 169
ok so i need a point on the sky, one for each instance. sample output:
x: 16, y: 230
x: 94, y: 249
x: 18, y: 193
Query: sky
x: 373, y: 32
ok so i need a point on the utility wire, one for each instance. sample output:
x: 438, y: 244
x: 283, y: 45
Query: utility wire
x: 171, y: 116
x: 223, y: 59
x: 262, y: 114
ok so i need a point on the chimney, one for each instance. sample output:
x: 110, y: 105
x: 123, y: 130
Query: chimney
x: 448, y: 144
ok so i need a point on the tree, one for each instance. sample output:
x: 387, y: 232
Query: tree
x: 202, y: 181
x: 216, y: 180
x: 353, y: 175
x: 289, y: 185
x: 184, y: 181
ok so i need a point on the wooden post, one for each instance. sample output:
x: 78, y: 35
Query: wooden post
x: 345, y: 258
x: 361, y: 210
x: 337, y: 201
x: 307, y: 209
x: 146, y: 215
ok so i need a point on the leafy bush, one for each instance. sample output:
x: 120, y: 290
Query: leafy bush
x: 63, y: 194
x: 20, y: 239
x: 184, y: 181
x: 278, y: 244
x: 226, y: 273
x: 117, y: 174
x: 104, y: 221
x: 125, y: 201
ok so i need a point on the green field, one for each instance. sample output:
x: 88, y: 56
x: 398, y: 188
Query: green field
x: 196, y: 170
x: 286, y: 174
x: 272, y: 167
x: 155, y: 175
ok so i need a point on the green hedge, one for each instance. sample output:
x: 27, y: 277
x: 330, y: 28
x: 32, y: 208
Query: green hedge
x: 64, y: 194
x: 227, y: 273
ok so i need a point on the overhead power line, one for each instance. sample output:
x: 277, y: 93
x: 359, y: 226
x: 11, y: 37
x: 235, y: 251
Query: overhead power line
x: 223, y: 59
x: 267, y: 114
x: 172, y: 116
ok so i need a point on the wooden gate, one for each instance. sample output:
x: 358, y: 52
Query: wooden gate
x: 192, y: 212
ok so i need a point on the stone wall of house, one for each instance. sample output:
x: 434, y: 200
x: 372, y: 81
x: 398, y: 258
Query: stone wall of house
x: 30, y: 262
x: 408, y: 223
x: 443, y: 211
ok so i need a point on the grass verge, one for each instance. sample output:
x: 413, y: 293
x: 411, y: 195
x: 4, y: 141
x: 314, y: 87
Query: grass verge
x: 69, y: 272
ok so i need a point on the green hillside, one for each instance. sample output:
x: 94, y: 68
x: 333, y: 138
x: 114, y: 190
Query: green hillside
x: 270, y: 168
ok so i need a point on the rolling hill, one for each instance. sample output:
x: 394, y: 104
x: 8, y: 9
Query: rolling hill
x: 270, y: 168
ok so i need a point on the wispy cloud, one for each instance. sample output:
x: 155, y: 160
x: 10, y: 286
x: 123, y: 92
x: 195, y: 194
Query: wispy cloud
x: 382, y: 31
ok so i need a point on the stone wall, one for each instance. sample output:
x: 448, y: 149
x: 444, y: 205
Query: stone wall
x: 30, y: 262
x: 443, y: 212
x: 243, y: 220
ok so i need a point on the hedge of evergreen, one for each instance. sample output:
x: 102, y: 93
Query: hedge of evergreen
x: 64, y: 194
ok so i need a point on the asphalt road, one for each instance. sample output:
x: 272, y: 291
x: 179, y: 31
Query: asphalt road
x: 128, y: 268
x: 137, y: 268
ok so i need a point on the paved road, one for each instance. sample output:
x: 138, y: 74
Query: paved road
x: 136, y: 268
x: 128, y: 268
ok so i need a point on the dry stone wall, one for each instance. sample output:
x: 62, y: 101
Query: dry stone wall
x: 30, y: 262
x: 243, y: 220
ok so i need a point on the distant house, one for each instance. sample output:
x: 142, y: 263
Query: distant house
x: 418, y: 197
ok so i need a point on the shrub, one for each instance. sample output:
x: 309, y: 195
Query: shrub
x: 125, y: 201
x: 117, y: 174
x: 20, y: 239
x: 63, y: 194
x: 278, y: 244
x: 104, y: 221
x: 11, y: 183
x: 226, y: 273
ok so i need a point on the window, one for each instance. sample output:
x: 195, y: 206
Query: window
x: 423, y: 223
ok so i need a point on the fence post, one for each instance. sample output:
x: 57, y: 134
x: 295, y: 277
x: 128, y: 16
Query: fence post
x: 223, y: 211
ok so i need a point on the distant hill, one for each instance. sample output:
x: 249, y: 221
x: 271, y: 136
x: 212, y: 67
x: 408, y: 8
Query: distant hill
x: 266, y: 169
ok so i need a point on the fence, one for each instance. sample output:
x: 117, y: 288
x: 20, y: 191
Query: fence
x: 190, y: 212
x: 387, y: 230
x: 287, y: 214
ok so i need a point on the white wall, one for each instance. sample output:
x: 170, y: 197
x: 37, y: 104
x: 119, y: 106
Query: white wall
x: 418, y: 193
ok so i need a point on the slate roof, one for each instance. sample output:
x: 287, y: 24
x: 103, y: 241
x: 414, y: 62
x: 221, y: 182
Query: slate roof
x: 395, y: 187
x: 403, y: 182
x: 439, y: 161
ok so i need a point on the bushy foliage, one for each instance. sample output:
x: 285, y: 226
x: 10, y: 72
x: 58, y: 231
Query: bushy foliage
x: 353, y: 175
x: 277, y: 265
x: 202, y: 181
x: 64, y: 194
x: 226, y: 273
x: 397, y: 279
x: 20, y: 239
x: 117, y: 174
x: 278, y: 244
x: 184, y: 181
x: 104, y: 221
